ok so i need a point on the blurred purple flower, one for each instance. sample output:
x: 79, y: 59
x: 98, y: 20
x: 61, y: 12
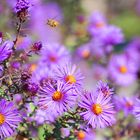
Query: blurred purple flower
x: 56, y: 98
x: 111, y: 35
x: 5, y: 50
x: 69, y: 73
x: 121, y: 70
x: 97, y: 22
x: 84, y: 51
x: 9, y: 119
x: 99, y: 110
x: 125, y: 104
x: 54, y: 54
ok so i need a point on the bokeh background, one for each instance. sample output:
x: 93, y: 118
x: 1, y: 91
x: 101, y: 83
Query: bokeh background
x: 72, y: 16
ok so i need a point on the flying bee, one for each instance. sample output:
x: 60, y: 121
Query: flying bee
x: 52, y: 23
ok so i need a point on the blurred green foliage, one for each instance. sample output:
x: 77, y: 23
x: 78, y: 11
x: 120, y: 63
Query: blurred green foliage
x: 129, y: 22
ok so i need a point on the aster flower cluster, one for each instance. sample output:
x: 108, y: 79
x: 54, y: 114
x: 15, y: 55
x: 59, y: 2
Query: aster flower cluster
x: 54, y: 90
x: 103, y: 35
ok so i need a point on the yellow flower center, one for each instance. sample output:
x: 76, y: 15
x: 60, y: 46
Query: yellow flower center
x: 123, y: 69
x: 85, y: 53
x: 2, y: 119
x: 33, y: 67
x: 100, y: 24
x: 81, y: 135
x: 57, y: 96
x: 97, y: 109
x: 71, y: 79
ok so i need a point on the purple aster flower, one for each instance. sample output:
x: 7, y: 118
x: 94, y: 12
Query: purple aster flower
x: 125, y: 104
x: 5, y: 50
x: 9, y: 119
x: 22, y: 5
x: 84, y: 51
x: 54, y: 54
x: 104, y: 89
x: 99, y: 110
x: 121, y: 70
x: 57, y: 98
x: 69, y: 73
x: 111, y: 35
x: 97, y: 22
x: 136, y: 109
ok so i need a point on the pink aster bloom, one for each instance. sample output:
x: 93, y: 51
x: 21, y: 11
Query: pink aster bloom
x: 57, y: 98
x: 9, y: 119
x: 121, y: 70
x: 84, y: 51
x: 99, y: 110
x: 97, y: 22
x: 124, y: 104
x: 111, y: 35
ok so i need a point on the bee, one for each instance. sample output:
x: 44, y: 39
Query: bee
x: 52, y: 23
